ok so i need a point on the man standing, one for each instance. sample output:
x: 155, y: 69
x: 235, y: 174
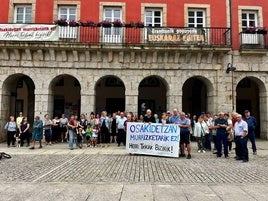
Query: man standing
x: 241, y: 131
x: 149, y: 118
x: 184, y: 125
x: 221, y: 135
x: 121, y: 129
x: 252, y: 123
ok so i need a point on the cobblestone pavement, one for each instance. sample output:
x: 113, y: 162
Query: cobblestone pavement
x: 56, y: 173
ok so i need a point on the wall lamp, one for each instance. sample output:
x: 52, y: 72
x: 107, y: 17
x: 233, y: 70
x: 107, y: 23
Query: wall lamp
x: 230, y: 68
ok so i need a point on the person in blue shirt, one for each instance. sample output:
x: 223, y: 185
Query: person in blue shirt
x: 221, y: 135
x: 252, y: 123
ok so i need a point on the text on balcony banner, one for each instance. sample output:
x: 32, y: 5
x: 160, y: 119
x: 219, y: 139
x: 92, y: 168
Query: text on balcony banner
x: 176, y: 35
x: 29, y: 32
x: 153, y: 139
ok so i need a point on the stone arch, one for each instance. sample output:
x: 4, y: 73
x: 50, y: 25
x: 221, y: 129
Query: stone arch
x: 153, y: 93
x: 18, y: 96
x: 64, y: 95
x: 110, y: 94
x: 251, y: 94
x: 197, y: 95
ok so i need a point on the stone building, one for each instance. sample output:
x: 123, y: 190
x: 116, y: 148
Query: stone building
x: 163, y: 65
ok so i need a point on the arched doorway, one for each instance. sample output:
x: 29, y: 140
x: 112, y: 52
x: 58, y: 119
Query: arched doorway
x: 18, y: 96
x: 194, y: 97
x: 66, y: 97
x: 248, y: 98
x: 152, y: 95
x: 110, y: 94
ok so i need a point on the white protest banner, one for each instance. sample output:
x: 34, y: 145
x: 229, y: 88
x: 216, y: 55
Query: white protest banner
x: 29, y: 32
x: 153, y: 139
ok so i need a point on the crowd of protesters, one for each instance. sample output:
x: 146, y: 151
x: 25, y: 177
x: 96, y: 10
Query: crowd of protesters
x: 220, y: 130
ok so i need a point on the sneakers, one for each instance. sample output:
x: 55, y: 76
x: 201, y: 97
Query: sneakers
x: 199, y: 151
x: 182, y: 155
x: 204, y: 151
x: 189, y: 156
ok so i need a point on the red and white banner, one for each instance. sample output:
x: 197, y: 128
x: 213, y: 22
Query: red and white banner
x: 29, y: 32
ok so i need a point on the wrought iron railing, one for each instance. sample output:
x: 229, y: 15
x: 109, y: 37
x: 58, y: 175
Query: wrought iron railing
x: 253, y: 40
x: 147, y: 35
x: 207, y: 36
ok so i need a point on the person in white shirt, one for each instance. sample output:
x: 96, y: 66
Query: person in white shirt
x: 120, y: 121
x: 200, y: 131
x: 241, y: 131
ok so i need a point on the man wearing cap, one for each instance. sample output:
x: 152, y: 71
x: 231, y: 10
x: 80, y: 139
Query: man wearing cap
x: 241, y: 131
x: 252, y: 123
x: 221, y: 135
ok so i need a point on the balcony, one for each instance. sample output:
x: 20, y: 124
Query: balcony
x: 147, y: 36
x: 253, y: 41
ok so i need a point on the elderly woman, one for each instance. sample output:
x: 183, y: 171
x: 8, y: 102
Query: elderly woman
x: 37, y: 134
x: 11, y: 128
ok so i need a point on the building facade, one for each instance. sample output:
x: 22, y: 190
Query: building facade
x: 132, y: 55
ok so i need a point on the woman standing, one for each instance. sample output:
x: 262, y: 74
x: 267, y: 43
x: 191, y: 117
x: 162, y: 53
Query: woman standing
x: 113, y: 128
x: 11, y: 128
x: 37, y: 132
x: 24, y: 131
x: 63, y: 127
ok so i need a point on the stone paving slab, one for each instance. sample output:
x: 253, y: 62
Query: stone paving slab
x: 128, y: 192
x: 57, y: 173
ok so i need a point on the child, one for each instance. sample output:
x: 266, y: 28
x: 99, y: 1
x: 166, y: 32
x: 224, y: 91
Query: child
x: 80, y: 138
x: 94, y: 135
x: 88, y: 136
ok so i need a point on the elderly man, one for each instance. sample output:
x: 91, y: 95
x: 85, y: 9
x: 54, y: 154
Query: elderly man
x: 221, y: 135
x: 241, y: 131
x: 149, y: 118
x: 252, y: 123
x: 184, y: 125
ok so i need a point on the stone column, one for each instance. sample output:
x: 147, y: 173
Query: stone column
x: 87, y: 104
x: 43, y: 103
x: 263, y: 116
x: 131, y: 96
x: 174, y: 95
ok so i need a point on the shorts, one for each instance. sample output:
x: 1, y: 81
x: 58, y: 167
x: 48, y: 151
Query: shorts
x: 88, y: 138
x: 185, y: 138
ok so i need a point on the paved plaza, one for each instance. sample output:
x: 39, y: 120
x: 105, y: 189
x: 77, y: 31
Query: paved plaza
x: 108, y: 173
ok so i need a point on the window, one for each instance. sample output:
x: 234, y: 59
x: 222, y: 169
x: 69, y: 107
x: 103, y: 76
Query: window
x: 23, y: 14
x: 112, y: 14
x: 112, y: 34
x: 196, y: 18
x: 249, y: 18
x: 68, y: 13
x: 153, y: 18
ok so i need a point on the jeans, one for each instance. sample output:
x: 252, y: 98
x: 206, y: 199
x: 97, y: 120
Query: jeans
x: 208, y: 142
x: 201, y: 143
x: 71, y: 138
x: 251, y: 137
x: 48, y: 135
x: 121, y: 137
x: 10, y: 137
x: 241, y: 148
x: 221, y: 138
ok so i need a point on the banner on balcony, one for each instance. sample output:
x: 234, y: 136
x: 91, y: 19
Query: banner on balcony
x: 176, y: 35
x: 153, y: 139
x: 29, y: 32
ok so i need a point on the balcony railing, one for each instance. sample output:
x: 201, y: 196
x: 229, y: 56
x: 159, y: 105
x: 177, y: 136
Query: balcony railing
x: 168, y: 36
x: 253, y: 40
x: 147, y: 35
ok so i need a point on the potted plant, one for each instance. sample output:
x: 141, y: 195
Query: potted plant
x: 73, y: 23
x: 129, y: 25
x: 104, y: 23
x: 139, y: 24
x: 88, y: 23
x: 117, y: 23
x: 61, y: 22
x: 254, y: 30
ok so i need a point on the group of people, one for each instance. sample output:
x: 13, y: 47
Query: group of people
x: 221, y: 129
